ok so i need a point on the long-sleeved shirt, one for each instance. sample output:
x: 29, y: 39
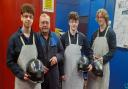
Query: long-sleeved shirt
x: 14, y: 49
x: 111, y: 39
x: 50, y: 47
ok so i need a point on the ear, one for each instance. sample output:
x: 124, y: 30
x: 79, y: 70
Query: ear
x: 21, y: 17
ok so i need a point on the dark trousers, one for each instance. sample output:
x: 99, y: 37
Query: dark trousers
x: 51, y: 79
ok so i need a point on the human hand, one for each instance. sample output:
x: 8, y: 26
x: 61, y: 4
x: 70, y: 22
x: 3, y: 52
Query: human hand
x: 53, y: 60
x: 26, y: 76
x: 100, y: 59
x: 45, y: 69
x: 63, y: 77
x: 90, y: 67
x: 96, y: 57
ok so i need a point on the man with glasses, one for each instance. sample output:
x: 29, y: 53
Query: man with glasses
x: 22, y: 47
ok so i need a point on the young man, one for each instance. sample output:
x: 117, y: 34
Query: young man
x: 76, y: 45
x: 103, y: 45
x: 52, y: 49
x: 21, y: 48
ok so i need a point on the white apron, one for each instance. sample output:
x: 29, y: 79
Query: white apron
x: 27, y: 53
x: 74, y: 79
x: 100, y: 47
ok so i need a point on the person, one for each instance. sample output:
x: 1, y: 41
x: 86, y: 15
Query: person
x: 103, y: 45
x: 53, y: 50
x: 22, y: 47
x: 75, y: 44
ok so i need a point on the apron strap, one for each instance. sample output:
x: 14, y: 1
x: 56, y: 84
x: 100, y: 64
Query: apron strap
x: 77, y: 39
x: 34, y: 39
x: 105, y: 32
x: 98, y: 34
x: 24, y: 42
x: 70, y: 38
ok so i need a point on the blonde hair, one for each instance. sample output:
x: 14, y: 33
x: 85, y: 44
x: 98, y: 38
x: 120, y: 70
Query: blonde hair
x: 104, y: 14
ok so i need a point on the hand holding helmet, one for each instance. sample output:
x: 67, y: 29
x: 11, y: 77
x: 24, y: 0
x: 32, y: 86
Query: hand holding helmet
x: 53, y: 60
x: 35, y: 70
x: 83, y: 64
x: 26, y: 76
x: 98, y: 66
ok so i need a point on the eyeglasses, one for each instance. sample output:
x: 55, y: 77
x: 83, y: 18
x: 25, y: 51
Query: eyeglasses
x: 28, y: 16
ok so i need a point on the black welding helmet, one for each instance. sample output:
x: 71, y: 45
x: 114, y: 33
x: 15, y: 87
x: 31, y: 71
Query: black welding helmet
x: 83, y: 63
x: 98, y: 68
x: 35, y: 70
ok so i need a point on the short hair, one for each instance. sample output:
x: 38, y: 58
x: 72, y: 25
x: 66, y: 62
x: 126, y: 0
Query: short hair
x: 73, y: 15
x: 45, y: 15
x: 27, y: 8
x: 104, y: 14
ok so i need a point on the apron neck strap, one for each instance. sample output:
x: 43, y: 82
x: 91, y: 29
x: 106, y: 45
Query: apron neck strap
x: 70, y: 38
x: 105, y: 32
x: 24, y: 42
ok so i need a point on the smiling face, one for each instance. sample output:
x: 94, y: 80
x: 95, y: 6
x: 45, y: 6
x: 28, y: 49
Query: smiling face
x: 44, y: 23
x: 73, y: 25
x: 102, y: 17
x: 27, y: 19
x: 27, y: 15
x: 73, y: 21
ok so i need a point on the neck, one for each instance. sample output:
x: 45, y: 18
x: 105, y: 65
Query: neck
x: 45, y: 35
x: 102, y: 27
x: 73, y: 32
x: 26, y: 31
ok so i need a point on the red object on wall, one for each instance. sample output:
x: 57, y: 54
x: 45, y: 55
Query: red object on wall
x: 9, y: 23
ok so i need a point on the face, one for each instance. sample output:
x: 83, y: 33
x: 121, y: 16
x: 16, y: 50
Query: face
x: 101, y: 19
x: 27, y: 19
x: 44, y: 24
x: 73, y: 24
